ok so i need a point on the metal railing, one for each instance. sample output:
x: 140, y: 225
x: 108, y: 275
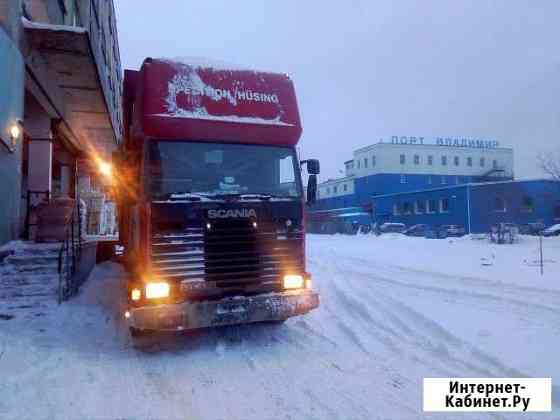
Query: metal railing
x: 69, y: 258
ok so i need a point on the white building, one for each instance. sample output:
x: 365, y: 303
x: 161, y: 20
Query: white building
x: 407, y: 163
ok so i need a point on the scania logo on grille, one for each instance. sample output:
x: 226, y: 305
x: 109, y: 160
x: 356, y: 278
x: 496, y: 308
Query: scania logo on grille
x: 237, y: 213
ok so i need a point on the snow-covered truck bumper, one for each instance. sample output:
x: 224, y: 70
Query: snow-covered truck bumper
x: 228, y: 311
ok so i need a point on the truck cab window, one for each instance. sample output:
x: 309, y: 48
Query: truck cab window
x: 217, y: 168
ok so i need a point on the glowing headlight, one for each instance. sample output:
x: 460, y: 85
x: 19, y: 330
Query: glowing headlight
x: 293, y: 281
x: 135, y: 294
x: 157, y: 290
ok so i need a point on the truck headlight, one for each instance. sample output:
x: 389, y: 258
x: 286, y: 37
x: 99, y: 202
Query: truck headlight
x: 135, y: 294
x: 293, y: 281
x: 157, y: 290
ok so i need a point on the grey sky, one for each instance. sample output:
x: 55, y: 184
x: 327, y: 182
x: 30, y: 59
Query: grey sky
x: 367, y: 68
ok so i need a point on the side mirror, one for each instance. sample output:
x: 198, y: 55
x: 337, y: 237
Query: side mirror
x: 312, y: 189
x: 313, y: 166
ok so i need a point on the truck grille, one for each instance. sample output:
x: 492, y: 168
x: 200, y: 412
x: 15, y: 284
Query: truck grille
x: 230, y: 253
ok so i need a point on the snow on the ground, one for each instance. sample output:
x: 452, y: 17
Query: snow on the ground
x: 393, y: 311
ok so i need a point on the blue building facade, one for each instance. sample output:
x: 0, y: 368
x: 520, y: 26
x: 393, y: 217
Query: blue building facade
x: 476, y: 206
x: 412, y: 180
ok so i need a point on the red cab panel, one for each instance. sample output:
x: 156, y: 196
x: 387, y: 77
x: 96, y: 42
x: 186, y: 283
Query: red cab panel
x: 192, y: 102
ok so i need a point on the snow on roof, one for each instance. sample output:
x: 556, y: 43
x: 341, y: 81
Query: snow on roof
x: 181, y: 113
x: 468, y: 184
x: 209, y: 63
x: 361, y: 213
x: 337, y: 180
x: 50, y: 27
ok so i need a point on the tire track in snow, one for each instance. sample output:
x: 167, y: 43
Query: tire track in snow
x: 466, y: 284
x: 444, y: 339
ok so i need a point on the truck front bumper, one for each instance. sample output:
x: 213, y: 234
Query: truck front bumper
x: 228, y: 311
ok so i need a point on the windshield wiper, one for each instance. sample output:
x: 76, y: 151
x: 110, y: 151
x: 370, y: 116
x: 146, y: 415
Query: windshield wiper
x: 256, y: 196
x: 182, y: 195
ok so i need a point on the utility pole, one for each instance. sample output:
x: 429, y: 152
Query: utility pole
x: 541, y: 254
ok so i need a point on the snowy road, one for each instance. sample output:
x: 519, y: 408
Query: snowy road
x: 385, y: 322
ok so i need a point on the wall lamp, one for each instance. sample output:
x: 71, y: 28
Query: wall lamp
x: 15, y: 131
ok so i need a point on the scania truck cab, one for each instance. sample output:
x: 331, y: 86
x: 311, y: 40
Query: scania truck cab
x: 210, y: 197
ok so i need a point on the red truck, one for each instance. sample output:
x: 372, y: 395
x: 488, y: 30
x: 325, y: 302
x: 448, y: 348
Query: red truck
x: 210, y: 198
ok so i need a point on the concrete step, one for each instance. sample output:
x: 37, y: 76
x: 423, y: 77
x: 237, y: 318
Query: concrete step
x: 36, y: 259
x: 33, y: 248
x: 21, y: 279
x: 33, y: 269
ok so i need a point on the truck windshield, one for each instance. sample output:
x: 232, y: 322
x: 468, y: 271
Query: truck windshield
x: 222, y: 169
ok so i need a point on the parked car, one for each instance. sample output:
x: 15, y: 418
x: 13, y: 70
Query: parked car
x: 452, y: 230
x: 416, y: 230
x: 553, y: 230
x: 503, y: 233
x: 532, y: 228
x: 392, y: 227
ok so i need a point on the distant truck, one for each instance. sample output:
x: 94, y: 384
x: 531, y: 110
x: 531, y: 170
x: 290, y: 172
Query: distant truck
x: 347, y: 220
x: 210, y: 198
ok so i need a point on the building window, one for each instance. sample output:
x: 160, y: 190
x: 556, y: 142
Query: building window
x: 345, y: 187
x: 500, y: 205
x: 365, y: 163
x: 443, y: 180
x: 482, y: 162
x: 444, y: 205
x: 373, y: 160
x: 403, y: 179
x: 457, y: 180
x: 335, y: 189
x: 407, y: 208
x: 456, y: 160
x: 358, y: 163
x: 329, y: 190
x: 403, y: 159
x: 469, y: 161
x: 396, y: 209
x: 495, y: 164
x: 431, y: 206
x: 430, y: 179
x: 444, y: 160
x: 430, y: 160
x: 419, y: 207
x: 416, y: 159
x: 557, y: 213
x: 527, y: 205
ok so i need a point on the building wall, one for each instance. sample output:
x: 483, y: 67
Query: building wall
x: 11, y: 110
x: 99, y: 17
x: 544, y: 196
x: 386, y: 158
x: 379, y: 169
x: 456, y: 213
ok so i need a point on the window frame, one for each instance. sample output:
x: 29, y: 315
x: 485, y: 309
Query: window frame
x: 501, y: 209
x: 417, y: 208
x: 441, y: 201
